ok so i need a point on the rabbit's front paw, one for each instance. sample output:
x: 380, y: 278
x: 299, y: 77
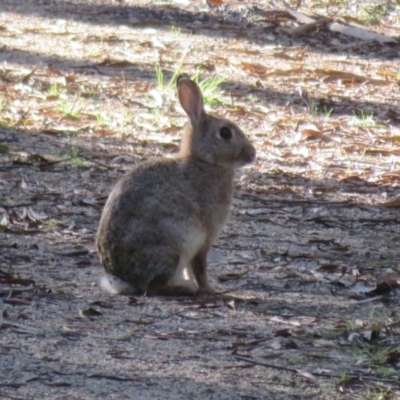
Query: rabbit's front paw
x: 206, y: 289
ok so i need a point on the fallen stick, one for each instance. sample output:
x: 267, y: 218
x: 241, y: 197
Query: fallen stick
x: 347, y: 30
x: 321, y: 374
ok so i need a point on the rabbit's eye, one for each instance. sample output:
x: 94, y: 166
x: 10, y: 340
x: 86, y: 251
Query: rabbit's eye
x: 225, y: 133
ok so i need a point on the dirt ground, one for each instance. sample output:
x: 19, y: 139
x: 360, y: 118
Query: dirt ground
x: 311, y: 252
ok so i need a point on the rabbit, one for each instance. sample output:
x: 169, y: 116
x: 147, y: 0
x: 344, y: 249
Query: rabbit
x: 163, y: 216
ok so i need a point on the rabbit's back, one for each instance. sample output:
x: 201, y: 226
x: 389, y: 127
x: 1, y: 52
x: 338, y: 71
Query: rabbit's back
x: 174, y: 188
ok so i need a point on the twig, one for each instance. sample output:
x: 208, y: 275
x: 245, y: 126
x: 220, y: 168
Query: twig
x: 225, y: 296
x: 352, y: 31
x: 321, y: 374
x: 111, y: 377
x: 367, y: 300
x: 15, y: 290
x: 249, y: 360
x: 308, y: 28
x: 21, y: 328
x: 6, y: 206
x: 99, y: 163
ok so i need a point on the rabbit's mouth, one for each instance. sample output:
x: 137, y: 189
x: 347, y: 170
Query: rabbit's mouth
x: 246, y: 156
x: 243, y: 158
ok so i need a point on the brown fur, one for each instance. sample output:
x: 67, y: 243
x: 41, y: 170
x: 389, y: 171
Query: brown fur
x: 164, y: 215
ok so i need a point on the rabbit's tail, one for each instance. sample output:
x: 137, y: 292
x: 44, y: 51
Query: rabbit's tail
x: 115, y: 285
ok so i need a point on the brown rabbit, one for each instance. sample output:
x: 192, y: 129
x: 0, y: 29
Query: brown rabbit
x: 162, y: 217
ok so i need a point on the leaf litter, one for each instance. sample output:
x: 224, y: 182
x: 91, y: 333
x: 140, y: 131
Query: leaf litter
x: 310, y: 252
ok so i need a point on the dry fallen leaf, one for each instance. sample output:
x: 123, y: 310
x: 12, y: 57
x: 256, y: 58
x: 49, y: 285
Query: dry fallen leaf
x: 214, y: 3
x: 254, y: 68
x: 232, y: 276
x: 89, y: 313
x: 4, y: 149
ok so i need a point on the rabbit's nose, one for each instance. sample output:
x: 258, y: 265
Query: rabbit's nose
x: 252, y: 154
x: 249, y: 154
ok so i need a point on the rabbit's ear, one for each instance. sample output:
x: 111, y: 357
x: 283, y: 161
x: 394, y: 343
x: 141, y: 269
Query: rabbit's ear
x: 190, y: 98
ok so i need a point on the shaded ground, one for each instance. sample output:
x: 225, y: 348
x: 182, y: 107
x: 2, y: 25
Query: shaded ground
x: 312, y: 246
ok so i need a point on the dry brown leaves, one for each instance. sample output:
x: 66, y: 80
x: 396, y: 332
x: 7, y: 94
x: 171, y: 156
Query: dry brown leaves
x: 310, y: 256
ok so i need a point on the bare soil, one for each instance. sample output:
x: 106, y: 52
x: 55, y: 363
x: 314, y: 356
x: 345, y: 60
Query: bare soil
x: 310, y: 256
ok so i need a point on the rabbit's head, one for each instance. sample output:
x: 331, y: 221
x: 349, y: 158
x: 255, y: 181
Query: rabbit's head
x: 213, y: 140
